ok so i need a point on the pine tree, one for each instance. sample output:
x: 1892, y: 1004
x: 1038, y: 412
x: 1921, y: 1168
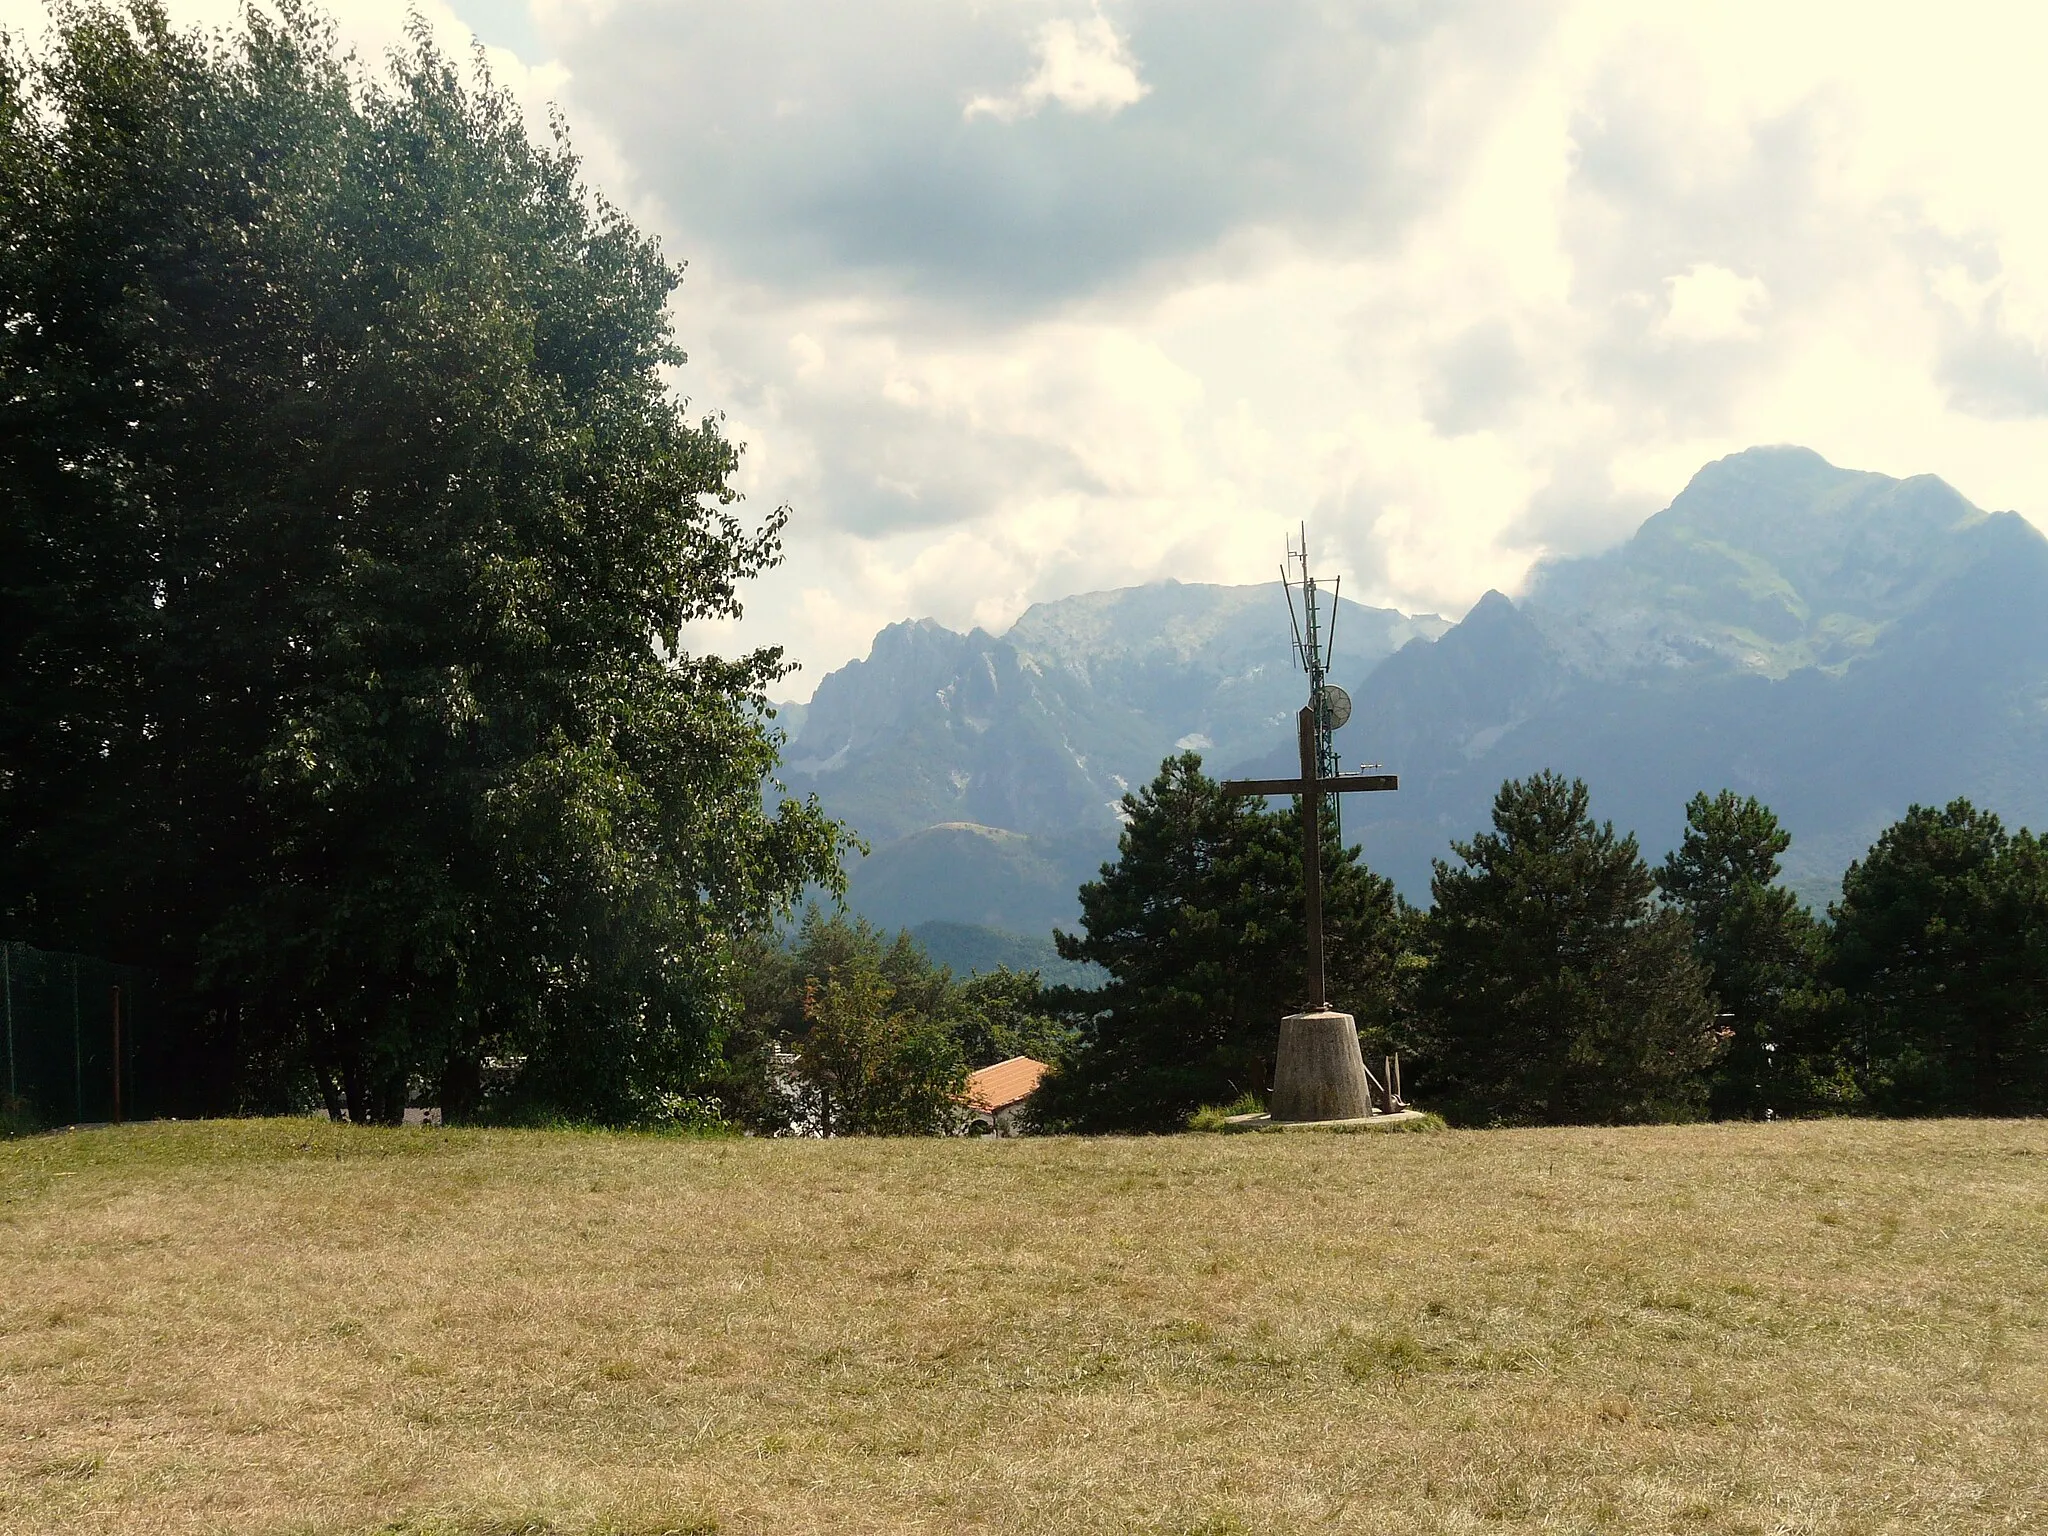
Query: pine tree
x: 1940, y: 948
x: 1761, y: 948
x: 1199, y: 923
x: 1555, y: 991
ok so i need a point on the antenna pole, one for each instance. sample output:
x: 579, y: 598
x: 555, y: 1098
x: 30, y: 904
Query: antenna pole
x: 1314, y: 649
x: 1312, y: 863
x: 1336, y: 598
x: 1287, y: 586
x: 1312, y: 652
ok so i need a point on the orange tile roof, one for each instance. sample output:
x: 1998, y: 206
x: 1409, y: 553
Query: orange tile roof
x: 996, y: 1088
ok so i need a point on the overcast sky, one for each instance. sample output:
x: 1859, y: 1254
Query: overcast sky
x: 1013, y: 300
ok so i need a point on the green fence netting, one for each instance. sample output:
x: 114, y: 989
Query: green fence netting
x: 86, y: 1040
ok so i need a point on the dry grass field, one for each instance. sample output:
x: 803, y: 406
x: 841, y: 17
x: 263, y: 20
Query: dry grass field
x: 283, y: 1326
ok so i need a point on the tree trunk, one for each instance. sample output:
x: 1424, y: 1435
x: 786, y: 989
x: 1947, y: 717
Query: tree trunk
x: 462, y: 1087
x: 330, y: 1096
x: 355, y: 1084
x: 1990, y: 1085
x: 323, y: 1076
x: 391, y: 1094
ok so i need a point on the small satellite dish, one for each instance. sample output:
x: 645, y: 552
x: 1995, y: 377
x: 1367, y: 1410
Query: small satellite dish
x: 1334, y: 705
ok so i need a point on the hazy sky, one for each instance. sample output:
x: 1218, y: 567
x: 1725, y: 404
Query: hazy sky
x: 1012, y: 300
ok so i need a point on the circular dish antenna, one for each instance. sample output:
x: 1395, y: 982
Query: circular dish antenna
x: 1334, y: 705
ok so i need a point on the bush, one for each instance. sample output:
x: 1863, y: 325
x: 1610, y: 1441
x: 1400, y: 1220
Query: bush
x: 17, y: 1117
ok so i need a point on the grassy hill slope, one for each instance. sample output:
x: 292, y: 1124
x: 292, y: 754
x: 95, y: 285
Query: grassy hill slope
x: 283, y: 1326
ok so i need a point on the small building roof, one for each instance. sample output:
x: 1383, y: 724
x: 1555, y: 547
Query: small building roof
x: 994, y: 1089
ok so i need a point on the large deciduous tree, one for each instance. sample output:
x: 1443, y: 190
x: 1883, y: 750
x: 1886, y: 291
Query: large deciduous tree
x: 1199, y: 923
x: 1555, y: 990
x: 348, y: 534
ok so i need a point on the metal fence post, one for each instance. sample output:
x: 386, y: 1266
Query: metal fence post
x: 77, y: 1052
x: 116, y: 999
x: 7, y: 964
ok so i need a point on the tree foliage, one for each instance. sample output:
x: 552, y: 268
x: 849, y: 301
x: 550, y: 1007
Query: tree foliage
x: 848, y: 1031
x: 1199, y: 923
x: 350, y: 535
x: 1555, y: 991
x: 1003, y: 1013
x: 1940, y: 949
x: 871, y: 1068
x: 1761, y: 948
x: 757, y: 1081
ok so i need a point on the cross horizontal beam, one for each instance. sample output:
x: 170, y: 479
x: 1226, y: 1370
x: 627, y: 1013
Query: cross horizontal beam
x: 1342, y: 784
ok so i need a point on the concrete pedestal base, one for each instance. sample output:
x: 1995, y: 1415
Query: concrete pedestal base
x: 1320, y: 1074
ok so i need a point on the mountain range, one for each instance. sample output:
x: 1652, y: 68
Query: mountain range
x: 1839, y: 643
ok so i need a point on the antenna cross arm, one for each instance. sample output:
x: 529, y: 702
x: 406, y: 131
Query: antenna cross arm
x: 1341, y: 784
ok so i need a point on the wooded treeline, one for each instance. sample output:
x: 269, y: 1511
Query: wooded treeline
x: 1556, y: 978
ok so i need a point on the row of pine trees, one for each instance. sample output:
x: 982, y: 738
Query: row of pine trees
x: 1558, y: 977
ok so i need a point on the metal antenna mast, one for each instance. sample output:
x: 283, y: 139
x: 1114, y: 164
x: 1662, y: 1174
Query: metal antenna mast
x: 1327, y: 709
x: 1313, y: 650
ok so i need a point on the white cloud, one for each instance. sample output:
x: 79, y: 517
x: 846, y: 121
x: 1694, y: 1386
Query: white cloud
x: 1711, y: 303
x: 1461, y: 281
x: 1082, y: 65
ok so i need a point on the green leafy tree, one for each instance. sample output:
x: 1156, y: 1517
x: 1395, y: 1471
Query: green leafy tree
x: 1762, y: 949
x: 1199, y: 924
x: 764, y: 1081
x: 826, y: 943
x: 350, y: 537
x: 1940, y: 949
x: 1003, y: 1013
x: 874, y: 1069
x: 1556, y: 991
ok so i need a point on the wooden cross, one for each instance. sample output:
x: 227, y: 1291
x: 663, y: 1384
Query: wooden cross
x: 1312, y: 788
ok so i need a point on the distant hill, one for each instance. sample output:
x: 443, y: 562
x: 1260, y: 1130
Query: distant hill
x: 967, y: 873
x: 1840, y: 643
x: 970, y: 950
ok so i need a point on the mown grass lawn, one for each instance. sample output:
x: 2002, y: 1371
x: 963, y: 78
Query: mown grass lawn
x: 288, y: 1326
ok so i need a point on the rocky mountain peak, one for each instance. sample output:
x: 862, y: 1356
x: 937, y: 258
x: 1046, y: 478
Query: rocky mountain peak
x: 1769, y: 561
x: 1836, y: 641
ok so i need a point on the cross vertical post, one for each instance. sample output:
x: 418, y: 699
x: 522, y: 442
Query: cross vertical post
x: 1311, y: 787
x: 1312, y: 858
x: 1319, y: 1071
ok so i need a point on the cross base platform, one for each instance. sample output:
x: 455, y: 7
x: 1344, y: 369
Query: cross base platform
x: 1395, y: 1121
x: 1319, y: 1073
